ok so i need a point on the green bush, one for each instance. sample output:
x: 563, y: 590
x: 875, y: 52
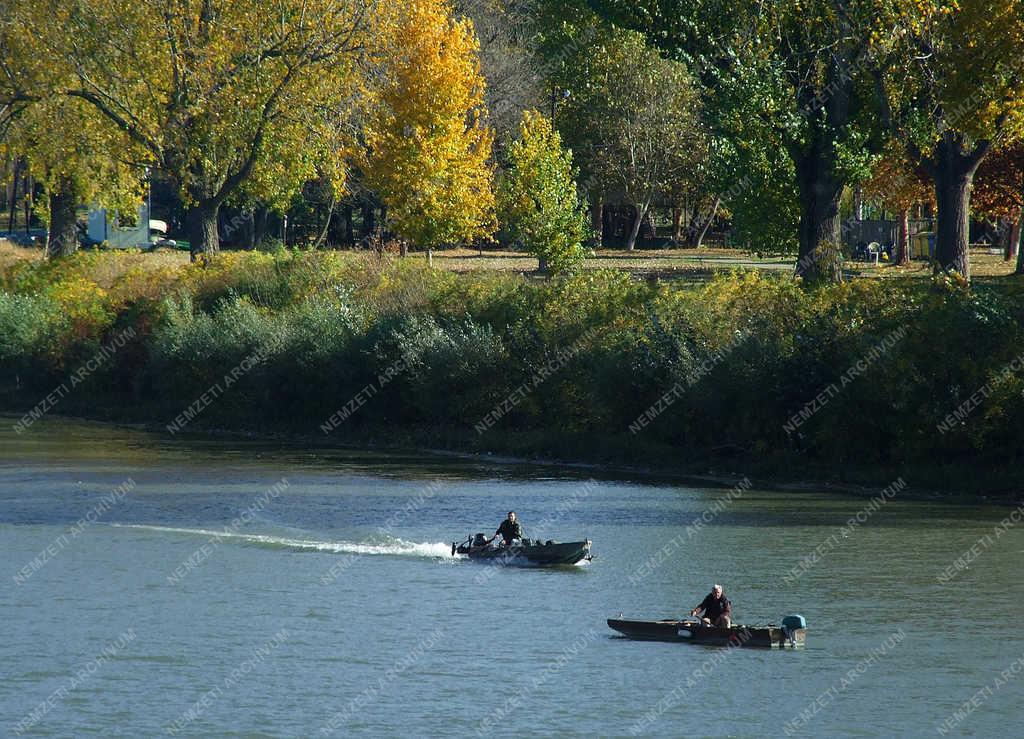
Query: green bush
x: 739, y: 357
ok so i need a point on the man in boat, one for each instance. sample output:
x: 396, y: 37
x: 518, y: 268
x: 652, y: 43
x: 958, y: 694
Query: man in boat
x: 509, y: 529
x: 716, y: 607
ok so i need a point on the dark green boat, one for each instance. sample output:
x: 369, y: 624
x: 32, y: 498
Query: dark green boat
x: 792, y: 632
x: 529, y: 552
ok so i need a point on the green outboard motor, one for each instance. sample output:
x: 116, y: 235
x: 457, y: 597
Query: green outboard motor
x: 790, y: 624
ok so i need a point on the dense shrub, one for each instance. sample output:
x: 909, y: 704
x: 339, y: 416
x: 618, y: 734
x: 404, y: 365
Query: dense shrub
x: 751, y: 364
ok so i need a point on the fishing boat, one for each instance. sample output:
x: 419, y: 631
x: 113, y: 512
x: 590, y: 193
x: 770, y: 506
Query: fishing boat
x: 524, y: 551
x: 791, y: 633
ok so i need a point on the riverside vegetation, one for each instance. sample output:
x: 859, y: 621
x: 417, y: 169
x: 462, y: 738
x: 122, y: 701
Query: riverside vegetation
x: 747, y: 372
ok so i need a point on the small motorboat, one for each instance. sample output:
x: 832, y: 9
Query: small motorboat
x: 792, y: 632
x: 524, y: 551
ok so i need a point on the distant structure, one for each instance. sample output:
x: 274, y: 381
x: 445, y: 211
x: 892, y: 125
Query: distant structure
x: 104, y: 226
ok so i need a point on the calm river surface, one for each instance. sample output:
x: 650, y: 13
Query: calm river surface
x: 237, y: 588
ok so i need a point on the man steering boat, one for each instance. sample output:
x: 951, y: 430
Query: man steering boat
x: 716, y: 607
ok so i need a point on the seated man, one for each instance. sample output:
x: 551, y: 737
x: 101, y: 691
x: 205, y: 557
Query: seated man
x: 717, y: 609
x: 509, y: 530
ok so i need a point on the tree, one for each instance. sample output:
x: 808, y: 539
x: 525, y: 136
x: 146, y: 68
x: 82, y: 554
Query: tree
x: 206, y: 89
x: 952, y: 86
x: 647, y: 119
x: 539, y: 202
x: 802, y: 66
x: 78, y: 159
x: 631, y: 118
x: 505, y: 29
x: 999, y: 193
x: 428, y: 143
x: 899, y: 184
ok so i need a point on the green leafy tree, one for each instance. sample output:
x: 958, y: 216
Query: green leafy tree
x: 802, y: 68
x: 538, y: 197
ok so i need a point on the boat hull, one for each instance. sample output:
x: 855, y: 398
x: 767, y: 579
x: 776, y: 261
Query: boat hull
x: 769, y: 636
x: 538, y: 555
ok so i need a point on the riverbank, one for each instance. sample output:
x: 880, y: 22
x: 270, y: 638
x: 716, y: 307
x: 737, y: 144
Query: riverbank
x: 568, y: 456
x: 749, y: 373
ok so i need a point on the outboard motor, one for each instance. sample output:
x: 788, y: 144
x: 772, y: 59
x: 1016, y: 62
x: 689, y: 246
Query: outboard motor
x: 789, y: 626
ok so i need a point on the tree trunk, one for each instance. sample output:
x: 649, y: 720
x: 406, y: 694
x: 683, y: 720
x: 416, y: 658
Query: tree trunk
x: 1020, y: 252
x: 954, y: 172
x: 349, y: 230
x: 260, y: 217
x: 248, y: 229
x: 327, y: 223
x: 369, y: 224
x: 677, y: 224
x: 1013, y: 245
x: 635, y: 230
x: 597, y: 220
x: 29, y: 192
x: 903, y: 238
x: 699, y: 225
x: 953, y: 195
x: 14, y: 195
x: 62, y: 235
x: 201, y: 227
x: 709, y: 220
x: 820, y: 193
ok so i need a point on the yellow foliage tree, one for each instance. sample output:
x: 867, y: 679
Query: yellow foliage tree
x: 428, y: 143
x: 221, y: 95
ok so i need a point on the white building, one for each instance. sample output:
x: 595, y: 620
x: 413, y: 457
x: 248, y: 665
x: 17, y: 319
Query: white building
x: 105, y: 226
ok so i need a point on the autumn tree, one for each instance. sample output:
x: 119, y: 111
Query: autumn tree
x: 898, y: 184
x: 539, y: 203
x: 208, y: 89
x: 998, y: 193
x: 428, y: 143
x: 952, y: 86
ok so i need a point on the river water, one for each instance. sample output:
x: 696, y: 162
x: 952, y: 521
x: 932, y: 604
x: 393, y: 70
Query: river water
x: 152, y: 586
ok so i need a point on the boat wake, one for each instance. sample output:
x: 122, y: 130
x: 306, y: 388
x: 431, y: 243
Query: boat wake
x: 392, y: 546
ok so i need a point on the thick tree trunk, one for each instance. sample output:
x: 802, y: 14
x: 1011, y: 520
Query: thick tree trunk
x: 819, y: 235
x: 953, y: 195
x: 903, y: 238
x: 954, y: 172
x: 597, y: 220
x: 62, y: 236
x: 201, y: 226
x: 635, y: 230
